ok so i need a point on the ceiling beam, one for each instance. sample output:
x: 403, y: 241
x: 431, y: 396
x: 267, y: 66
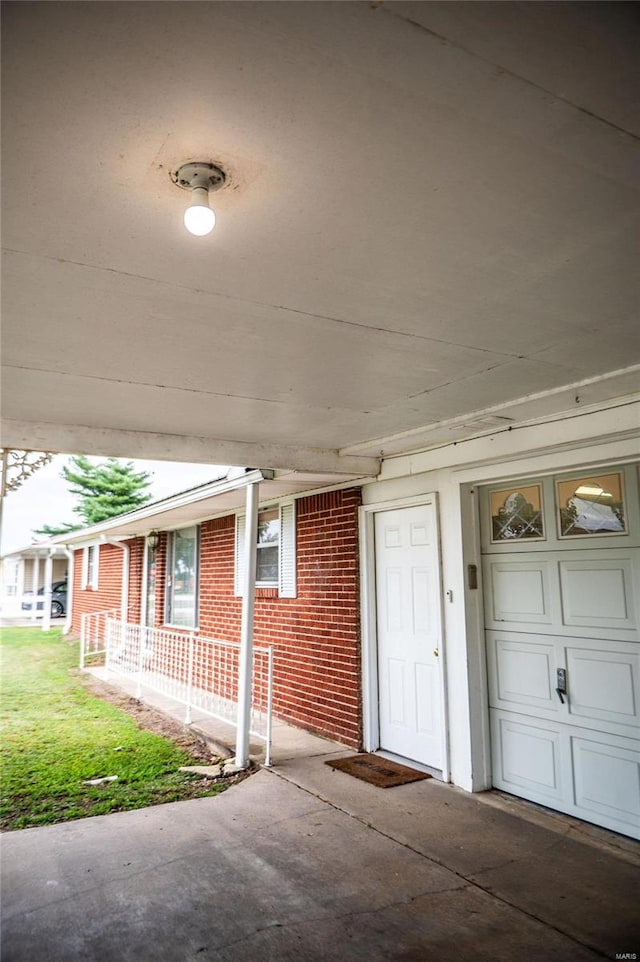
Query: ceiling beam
x: 111, y: 442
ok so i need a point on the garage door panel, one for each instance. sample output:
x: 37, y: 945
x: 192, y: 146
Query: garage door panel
x: 607, y: 780
x: 598, y: 593
x: 604, y: 684
x: 528, y: 758
x: 521, y: 672
x: 521, y: 591
x: 594, y: 776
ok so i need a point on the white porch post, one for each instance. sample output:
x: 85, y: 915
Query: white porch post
x: 245, y: 679
x: 46, y: 600
x: 21, y: 579
x: 69, y: 615
x: 34, y: 587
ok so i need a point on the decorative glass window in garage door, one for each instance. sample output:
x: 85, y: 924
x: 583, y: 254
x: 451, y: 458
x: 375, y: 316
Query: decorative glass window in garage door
x: 516, y: 513
x: 590, y: 505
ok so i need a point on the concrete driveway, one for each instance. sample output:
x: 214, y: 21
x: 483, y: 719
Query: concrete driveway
x: 302, y: 862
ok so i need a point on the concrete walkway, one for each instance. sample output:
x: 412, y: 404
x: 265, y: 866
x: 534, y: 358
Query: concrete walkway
x: 301, y: 862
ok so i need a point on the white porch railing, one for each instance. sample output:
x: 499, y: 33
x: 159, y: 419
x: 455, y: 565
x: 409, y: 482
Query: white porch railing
x: 93, y: 633
x: 201, y: 673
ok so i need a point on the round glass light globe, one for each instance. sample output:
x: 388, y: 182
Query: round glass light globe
x: 199, y: 220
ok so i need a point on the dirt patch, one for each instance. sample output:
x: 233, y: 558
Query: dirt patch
x: 149, y: 719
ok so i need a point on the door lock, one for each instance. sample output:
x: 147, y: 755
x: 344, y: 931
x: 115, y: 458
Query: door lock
x: 561, y: 687
x: 436, y: 653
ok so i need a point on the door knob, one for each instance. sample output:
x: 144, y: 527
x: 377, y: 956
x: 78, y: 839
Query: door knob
x: 436, y: 653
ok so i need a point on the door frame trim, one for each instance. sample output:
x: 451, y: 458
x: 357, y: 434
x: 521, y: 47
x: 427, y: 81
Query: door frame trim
x: 368, y: 621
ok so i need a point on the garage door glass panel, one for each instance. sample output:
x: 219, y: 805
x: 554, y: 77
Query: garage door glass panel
x: 592, y: 505
x: 516, y: 514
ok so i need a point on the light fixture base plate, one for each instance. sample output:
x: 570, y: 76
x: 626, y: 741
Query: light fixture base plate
x: 200, y: 174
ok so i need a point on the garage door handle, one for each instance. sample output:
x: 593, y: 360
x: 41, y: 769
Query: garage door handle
x: 561, y: 676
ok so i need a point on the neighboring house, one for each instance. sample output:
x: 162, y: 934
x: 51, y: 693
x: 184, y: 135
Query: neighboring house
x: 24, y: 573
x: 474, y: 609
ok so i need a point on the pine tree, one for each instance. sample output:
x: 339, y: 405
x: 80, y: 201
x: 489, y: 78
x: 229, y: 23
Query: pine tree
x: 104, y: 490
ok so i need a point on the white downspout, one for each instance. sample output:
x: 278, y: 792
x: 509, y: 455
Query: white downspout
x: 46, y: 598
x: 245, y: 679
x: 145, y: 587
x: 69, y: 613
x: 124, y: 597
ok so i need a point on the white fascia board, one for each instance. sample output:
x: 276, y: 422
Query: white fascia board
x: 538, y: 408
x: 100, y: 532
x: 33, y: 551
x: 112, y: 442
x: 614, y: 422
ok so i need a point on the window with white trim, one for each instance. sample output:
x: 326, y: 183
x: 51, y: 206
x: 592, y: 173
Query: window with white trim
x: 268, y: 549
x: 181, y: 596
x: 275, y: 550
x: 90, y: 567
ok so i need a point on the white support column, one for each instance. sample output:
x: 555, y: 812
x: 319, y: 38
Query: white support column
x: 34, y: 587
x: 245, y: 680
x: 46, y: 599
x: 20, y: 584
x: 69, y: 615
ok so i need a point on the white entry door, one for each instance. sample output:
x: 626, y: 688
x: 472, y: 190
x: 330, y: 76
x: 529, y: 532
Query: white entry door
x: 409, y: 633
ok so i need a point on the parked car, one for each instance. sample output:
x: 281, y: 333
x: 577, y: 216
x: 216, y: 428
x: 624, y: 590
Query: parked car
x: 58, y: 600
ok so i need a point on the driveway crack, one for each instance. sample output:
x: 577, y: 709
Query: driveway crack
x: 470, y: 881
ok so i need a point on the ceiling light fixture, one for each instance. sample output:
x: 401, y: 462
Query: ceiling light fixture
x: 200, y: 179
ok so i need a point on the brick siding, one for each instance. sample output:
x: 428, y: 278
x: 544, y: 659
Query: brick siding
x: 108, y: 594
x: 316, y: 636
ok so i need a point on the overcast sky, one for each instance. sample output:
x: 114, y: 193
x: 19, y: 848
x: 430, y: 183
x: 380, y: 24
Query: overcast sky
x: 45, y: 498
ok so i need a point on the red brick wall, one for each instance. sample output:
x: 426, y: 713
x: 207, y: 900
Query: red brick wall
x: 109, y: 591
x: 316, y: 636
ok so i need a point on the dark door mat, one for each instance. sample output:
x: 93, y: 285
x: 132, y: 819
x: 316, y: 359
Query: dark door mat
x: 377, y: 771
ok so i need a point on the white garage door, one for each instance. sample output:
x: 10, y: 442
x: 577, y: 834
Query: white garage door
x: 561, y: 573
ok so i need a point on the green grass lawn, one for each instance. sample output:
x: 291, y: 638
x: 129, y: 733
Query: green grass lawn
x: 55, y: 735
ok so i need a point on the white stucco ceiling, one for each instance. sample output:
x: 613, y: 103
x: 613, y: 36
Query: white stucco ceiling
x: 432, y: 210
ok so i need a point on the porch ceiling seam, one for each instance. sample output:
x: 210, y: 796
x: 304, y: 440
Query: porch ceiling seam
x: 510, y: 73
x: 368, y: 328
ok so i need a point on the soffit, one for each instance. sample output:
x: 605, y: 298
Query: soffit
x: 426, y: 215
x: 199, y: 505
